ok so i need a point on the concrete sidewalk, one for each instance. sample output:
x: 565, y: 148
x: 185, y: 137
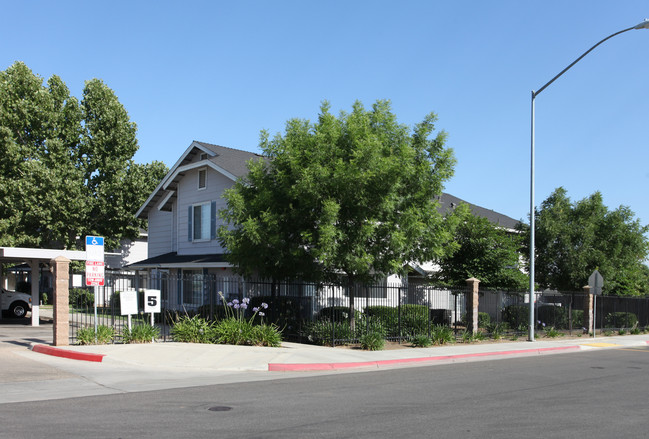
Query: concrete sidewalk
x: 299, y: 357
x: 33, y: 370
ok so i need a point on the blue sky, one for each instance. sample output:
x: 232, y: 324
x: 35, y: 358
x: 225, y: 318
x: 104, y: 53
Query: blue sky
x: 220, y: 71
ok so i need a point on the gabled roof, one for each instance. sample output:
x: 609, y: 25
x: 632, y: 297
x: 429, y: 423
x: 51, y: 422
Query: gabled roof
x: 228, y: 161
x: 449, y: 202
x: 233, y: 164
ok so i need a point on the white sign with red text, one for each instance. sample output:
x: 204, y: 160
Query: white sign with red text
x: 94, y: 273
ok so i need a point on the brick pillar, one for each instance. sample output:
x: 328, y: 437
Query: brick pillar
x: 588, y: 311
x: 472, y: 304
x: 60, y: 267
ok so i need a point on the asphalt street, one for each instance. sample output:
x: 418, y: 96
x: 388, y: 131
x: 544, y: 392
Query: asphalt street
x: 591, y: 394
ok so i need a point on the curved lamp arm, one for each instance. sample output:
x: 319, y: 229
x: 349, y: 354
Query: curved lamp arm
x: 643, y: 25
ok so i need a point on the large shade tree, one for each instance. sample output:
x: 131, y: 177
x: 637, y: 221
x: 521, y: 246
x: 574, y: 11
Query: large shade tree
x: 575, y: 238
x: 350, y: 197
x: 486, y: 252
x: 66, y: 166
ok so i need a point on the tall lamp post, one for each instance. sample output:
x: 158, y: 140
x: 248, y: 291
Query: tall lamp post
x: 643, y: 25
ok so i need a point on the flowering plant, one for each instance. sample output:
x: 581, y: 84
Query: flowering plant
x: 236, y: 329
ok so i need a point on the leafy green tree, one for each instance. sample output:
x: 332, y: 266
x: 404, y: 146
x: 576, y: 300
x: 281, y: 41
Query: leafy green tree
x: 574, y: 238
x: 487, y: 252
x: 346, y: 197
x: 66, y: 166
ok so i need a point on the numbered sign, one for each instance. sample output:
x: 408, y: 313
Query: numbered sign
x: 151, y: 300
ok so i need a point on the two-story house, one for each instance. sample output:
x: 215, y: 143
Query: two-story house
x: 182, y: 215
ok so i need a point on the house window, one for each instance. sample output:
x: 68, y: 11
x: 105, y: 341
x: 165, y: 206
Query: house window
x: 201, y: 221
x: 203, y: 156
x: 192, y: 287
x: 202, y: 178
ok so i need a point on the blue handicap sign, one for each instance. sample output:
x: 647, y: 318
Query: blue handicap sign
x: 94, y: 240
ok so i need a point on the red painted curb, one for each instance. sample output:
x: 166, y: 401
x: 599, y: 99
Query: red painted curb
x: 304, y: 367
x: 65, y: 353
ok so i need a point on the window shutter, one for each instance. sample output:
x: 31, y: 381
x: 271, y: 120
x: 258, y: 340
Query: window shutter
x: 190, y: 235
x: 213, y: 221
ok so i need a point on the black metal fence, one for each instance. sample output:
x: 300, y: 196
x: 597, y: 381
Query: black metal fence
x: 333, y: 314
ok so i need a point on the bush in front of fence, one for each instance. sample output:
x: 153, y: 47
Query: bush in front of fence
x: 414, y: 319
x: 143, y: 333
x: 517, y: 316
x: 620, y: 320
x: 484, y: 320
x: 81, y: 298
x: 337, y: 314
x: 194, y: 329
x: 552, y: 316
x: 284, y: 311
x: 233, y: 329
x: 372, y: 341
x: 322, y: 331
x: 86, y: 336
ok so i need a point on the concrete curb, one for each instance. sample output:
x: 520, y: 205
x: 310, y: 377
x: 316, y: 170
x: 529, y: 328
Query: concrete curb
x: 310, y: 367
x: 65, y: 353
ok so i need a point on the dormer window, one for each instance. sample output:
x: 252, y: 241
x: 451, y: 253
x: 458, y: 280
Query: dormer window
x: 203, y: 156
x: 202, y: 178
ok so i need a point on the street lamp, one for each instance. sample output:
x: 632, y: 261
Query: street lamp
x: 643, y: 25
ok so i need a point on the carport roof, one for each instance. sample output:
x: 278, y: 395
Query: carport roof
x: 22, y: 254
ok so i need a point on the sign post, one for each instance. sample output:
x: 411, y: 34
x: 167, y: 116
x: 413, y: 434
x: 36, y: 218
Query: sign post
x: 595, y: 282
x: 152, y: 304
x: 95, y: 267
x: 128, y: 304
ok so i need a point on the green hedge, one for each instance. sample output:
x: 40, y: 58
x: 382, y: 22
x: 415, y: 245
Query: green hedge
x: 339, y: 313
x: 81, y: 297
x: 553, y: 316
x: 620, y: 320
x: 517, y: 316
x: 414, y: 319
x: 285, y: 312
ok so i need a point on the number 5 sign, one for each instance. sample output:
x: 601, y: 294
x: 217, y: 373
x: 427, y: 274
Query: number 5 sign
x: 152, y: 301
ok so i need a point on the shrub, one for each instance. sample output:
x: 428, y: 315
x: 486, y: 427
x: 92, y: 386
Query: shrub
x: 496, y: 330
x: 320, y: 332
x: 81, y: 297
x: 192, y: 330
x: 268, y: 335
x: 442, y: 335
x: 86, y: 336
x: 141, y: 334
x: 484, y: 320
x: 115, y: 302
x: 421, y: 341
x: 516, y: 316
x: 620, y: 320
x: 414, y: 319
x: 372, y: 342
x: 340, y: 314
x: 467, y: 336
x: 233, y: 331
x: 577, y: 318
x: 236, y: 329
x: 287, y: 313
x: 556, y: 316
x: 552, y: 332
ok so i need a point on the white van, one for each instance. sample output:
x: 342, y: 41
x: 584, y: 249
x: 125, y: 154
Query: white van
x: 15, y: 304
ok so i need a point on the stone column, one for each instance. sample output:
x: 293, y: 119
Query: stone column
x: 472, y: 304
x: 589, y: 322
x: 60, y: 267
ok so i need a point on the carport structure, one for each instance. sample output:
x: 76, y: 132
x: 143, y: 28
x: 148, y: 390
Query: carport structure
x: 59, y: 262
